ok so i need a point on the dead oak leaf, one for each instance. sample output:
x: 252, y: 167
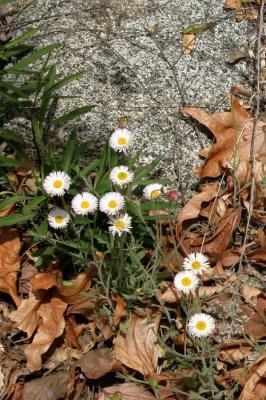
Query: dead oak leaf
x: 10, y: 246
x: 233, y: 132
x: 96, y: 363
x: 126, y: 391
x: 232, y: 352
x: 138, y: 348
x: 255, y: 384
x: 50, y: 387
x: 52, y: 326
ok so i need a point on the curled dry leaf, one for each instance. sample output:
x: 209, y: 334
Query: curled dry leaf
x: 52, y: 387
x: 119, y: 309
x: 43, y: 311
x: 10, y: 246
x: 127, y: 391
x: 255, y: 384
x: 256, y: 325
x: 138, y: 348
x: 216, y: 244
x: 193, y: 207
x: 189, y: 40
x: 53, y: 324
x: 233, y: 132
x: 233, y: 352
x: 96, y: 363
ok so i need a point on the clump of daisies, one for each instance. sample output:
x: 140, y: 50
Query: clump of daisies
x: 111, y: 203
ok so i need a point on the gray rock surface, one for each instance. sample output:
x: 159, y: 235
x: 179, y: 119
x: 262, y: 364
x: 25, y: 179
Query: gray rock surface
x: 131, y: 50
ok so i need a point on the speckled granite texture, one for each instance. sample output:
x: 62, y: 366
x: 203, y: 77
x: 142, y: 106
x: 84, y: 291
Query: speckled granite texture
x: 131, y: 50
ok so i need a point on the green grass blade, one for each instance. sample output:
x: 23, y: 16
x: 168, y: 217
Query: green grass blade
x: 11, y: 136
x: 70, y: 151
x: 71, y: 115
x: 35, y: 56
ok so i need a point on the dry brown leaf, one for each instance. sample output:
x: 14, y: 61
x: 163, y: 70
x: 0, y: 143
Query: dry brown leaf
x: 229, y: 258
x: 138, y: 348
x: 127, y: 391
x: 193, y: 207
x: 250, y: 292
x: 2, y: 381
x: 10, y: 246
x: 217, y: 243
x: 256, y: 326
x: 232, y: 4
x: 52, y: 326
x: 255, y: 383
x: 235, y: 56
x: 96, y: 363
x: 233, y: 352
x: 26, y: 315
x: 43, y: 311
x: 233, y: 132
x: 52, y: 387
x: 189, y: 40
x: 240, y: 90
x: 171, y: 295
x: 119, y: 309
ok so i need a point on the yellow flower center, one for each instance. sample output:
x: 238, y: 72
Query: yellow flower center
x: 120, y: 224
x: 196, y: 265
x: 186, y: 281
x: 201, y: 325
x: 57, y: 184
x: 59, y: 219
x: 155, y: 194
x: 112, y: 204
x: 122, y: 175
x: 121, y: 141
x: 85, y: 204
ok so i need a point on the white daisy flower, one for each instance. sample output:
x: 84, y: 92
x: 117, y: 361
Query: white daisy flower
x: 58, y: 218
x: 201, y: 325
x: 120, y: 224
x: 84, y: 203
x: 196, y: 262
x: 121, y: 175
x: 186, y: 281
x: 111, y: 203
x: 120, y: 140
x: 152, y: 191
x: 56, y: 183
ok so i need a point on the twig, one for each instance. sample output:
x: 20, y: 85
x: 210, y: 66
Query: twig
x: 254, y: 136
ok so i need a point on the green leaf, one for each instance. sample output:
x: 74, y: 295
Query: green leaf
x: 146, y: 169
x: 12, y: 200
x: 35, y: 56
x: 14, y: 219
x: 71, y: 115
x: 34, y: 203
x: 70, y: 151
x: 11, y: 136
x: 144, y: 182
x: 42, y: 229
x: 64, y: 81
x: 21, y: 38
x: 2, y: 2
x: 157, y: 205
x: 37, y: 130
x: 89, y: 168
x: 195, y: 28
x: 11, y: 162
